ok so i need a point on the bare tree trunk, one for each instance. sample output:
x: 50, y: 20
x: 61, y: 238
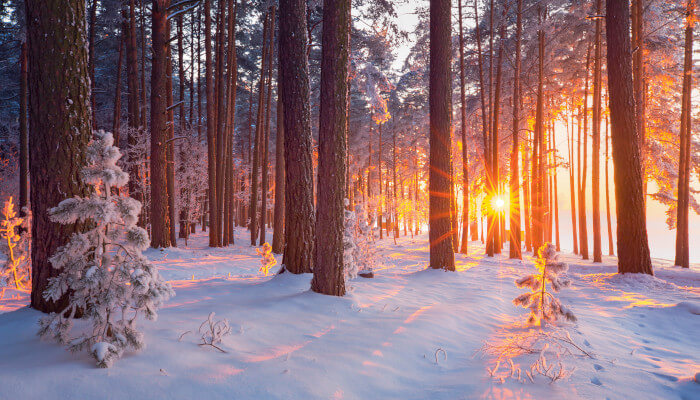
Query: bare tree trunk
x: 526, y: 195
x: 464, y: 248
x: 633, y: 246
x: 133, y: 106
x: 682, y: 244
x: 117, y: 112
x: 440, y: 229
x: 265, y: 189
x: 515, y: 242
x: 232, y: 87
x: 259, y: 134
x: 330, y: 221
x: 595, y: 179
x: 639, y: 80
x: 211, y: 128
x: 299, y: 220
x: 170, y: 143
x: 499, y: 213
x: 611, y: 249
x: 23, y: 131
x: 555, y: 190
x: 220, y: 102
x: 91, y: 59
x: 537, y: 178
x: 583, y: 225
x: 160, y: 223
x: 278, y: 234
x: 572, y: 183
x: 60, y: 118
x: 380, y: 217
x: 142, y: 107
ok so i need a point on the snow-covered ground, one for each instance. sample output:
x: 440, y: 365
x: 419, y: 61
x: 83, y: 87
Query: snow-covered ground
x: 408, y: 333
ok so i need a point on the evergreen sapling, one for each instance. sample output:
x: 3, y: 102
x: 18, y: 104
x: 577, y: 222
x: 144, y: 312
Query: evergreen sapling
x: 107, y: 279
x: 542, y: 304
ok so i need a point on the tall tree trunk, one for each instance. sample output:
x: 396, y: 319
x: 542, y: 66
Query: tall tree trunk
x: 555, y: 190
x: 259, y: 134
x: 526, y: 194
x: 160, y: 231
x: 59, y: 118
x: 91, y: 59
x: 595, y: 179
x: 537, y: 178
x: 515, y: 243
x: 682, y: 244
x: 211, y: 128
x: 133, y: 106
x: 611, y: 249
x: 23, y: 130
x: 265, y: 189
x: 380, y: 217
x: 117, y: 112
x: 499, y: 213
x: 440, y: 229
x: 299, y: 220
x: 330, y: 216
x: 220, y: 102
x: 232, y: 87
x: 639, y: 79
x: 633, y: 246
x: 464, y: 248
x: 278, y: 234
x: 142, y: 106
x: 572, y: 183
x: 170, y: 142
x: 583, y: 225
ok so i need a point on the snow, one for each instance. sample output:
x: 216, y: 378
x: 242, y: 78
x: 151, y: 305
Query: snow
x: 408, y: 333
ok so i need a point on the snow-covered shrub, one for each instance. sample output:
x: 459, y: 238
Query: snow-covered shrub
x: 542, y: 304
x: 267, y: 259
x: 16, y: 269
x: 212, y: 332
x: 358, y: 241
x: 191, y: 183
x: 109, y: 282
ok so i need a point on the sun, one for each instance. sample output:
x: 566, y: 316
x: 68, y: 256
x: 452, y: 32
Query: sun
x: 498, y: 203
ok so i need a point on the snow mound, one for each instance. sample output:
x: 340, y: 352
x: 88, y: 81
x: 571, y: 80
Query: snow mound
x: 693, y: 308
x: 640, y: 282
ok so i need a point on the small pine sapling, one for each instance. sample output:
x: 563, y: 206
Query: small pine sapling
x: 16, y: 269
x: 109, y: 282
x: 542, y: 304
x: 267, y: 259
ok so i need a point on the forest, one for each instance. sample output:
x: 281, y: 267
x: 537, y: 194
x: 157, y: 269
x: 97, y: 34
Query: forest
x: 368, y: 199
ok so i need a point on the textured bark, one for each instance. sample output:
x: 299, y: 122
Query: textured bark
x: 537, y: 207
x: 572, y: 183
x: 330, y: 215
x: 265, y: 189
x: 464, y: 246
x: 61, y: 126
x: 555, y: 190
x: 23, y: 131
x: 440, y: 229
x: 299, y: 220
x: 583, y: 165
x: 232, y: 87
x: 117, y: 112
x: 91, y: 58
x: 611, y: 249
x: 170, y: 151
x: 211, y: 128
x: 220, y: 118
x: 526, y: 194
x: 632, y: 242
x: 259, y: 133
x: 142, y: 104
x: 380, y: 217
x: 278, y: 234
x: 595, y: 178
x: 515, y: 242
x: 499, y: 214
x: 638, y: 78
x: 133, y: 107
x: 160, y: 231
x: 682, y: 211
x: 484, y: 115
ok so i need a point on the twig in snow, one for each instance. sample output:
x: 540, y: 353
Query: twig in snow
x: 183, y: 334
x: 444, y: 355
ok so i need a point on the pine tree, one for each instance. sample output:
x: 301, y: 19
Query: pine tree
x: 111, y: 283
x: 332, y: 152
x: 542, y: 304
x: 16, y: 270
x: 440, y: 229
x: 60, y: 118
x: 632, y: 242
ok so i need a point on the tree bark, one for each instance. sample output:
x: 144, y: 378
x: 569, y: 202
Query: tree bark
x: 582, y: 216
x: 23, y: 131
x: 211, y: 128
x: 117, y: 112
x: 278, y: 234
x: 595, y: 179
x: 611, y: 249
x: 537, y: 194
x: 464, y: 246
x: 633, y: 246
x: 299, y: 220
x: 572, y: 183
x: 440, y: 229
x: 515, y: 242
x: 682, y: 209
x: 265, y: 189
x: 330, y: 214
x: 60, y: 120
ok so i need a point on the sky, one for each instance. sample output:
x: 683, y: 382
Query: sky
x: 661, y: 238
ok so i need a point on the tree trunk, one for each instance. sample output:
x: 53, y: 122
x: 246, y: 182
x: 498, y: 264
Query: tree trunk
x: 583, y: 225
x: 91, y: 59
x: 265, y: 189
x: 330, y: 215
x: 232, y: 87
x: 595, y: 179
x: 682, y: 244
x: 440, y: 230
x: 380, y: 217
x: 220, y: 118
x: 61, y: 122
x: 23, y: 131
x: 464, y: 247
x: 299, y: 220
x: 499, y: 213
x: 259, y: 134
x: 537, y: 178
x: 515, y: 243
x: 633, y: 246
x: 611, y: 249
x: 211, y: 128
x: 278, y: 234
x: 572, y: 183
x: 117, y: 112
x: 639, y: 79
x: 160, y: 231
x: 555, y: 190
x: 484, y: 117
x: 133, y: 107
